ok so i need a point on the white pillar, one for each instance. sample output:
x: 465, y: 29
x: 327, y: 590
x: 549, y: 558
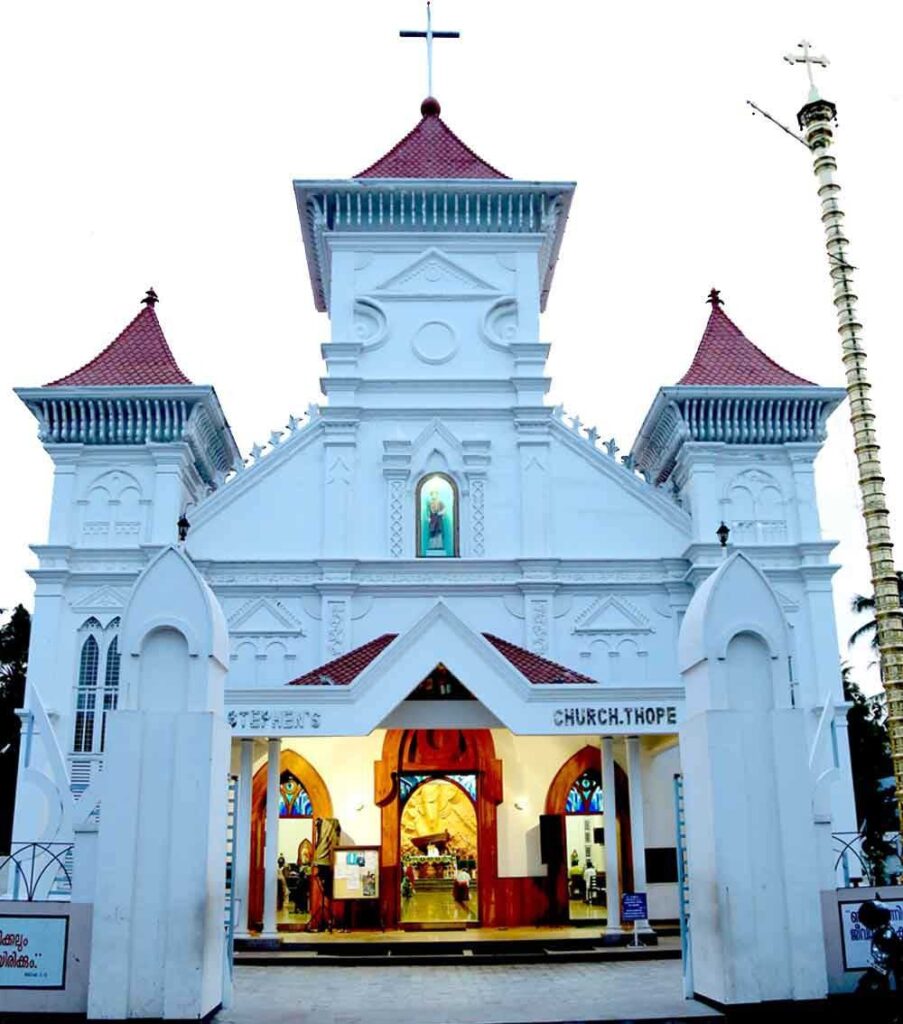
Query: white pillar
x: 637, y: 821
x: 271, y: 844
x: 243, y: 838
x: 610, y: 810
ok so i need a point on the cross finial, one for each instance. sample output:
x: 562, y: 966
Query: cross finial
x: 807, y: 58
x: 429, y: 36
x: 150, y: 298
x: 714, y: 299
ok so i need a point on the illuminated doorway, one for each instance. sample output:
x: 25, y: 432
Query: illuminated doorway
x: 439, y: 850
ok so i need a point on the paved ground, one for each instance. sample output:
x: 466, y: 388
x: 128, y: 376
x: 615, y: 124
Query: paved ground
x: 523, y: 994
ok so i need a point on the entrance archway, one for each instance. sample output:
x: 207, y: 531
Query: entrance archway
x: 438, y: 752
x: 582, y: 765
x: 321, y: 807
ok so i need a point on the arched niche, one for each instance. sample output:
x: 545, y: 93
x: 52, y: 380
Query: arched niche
x: 437, y: 512
x: 321, y: 807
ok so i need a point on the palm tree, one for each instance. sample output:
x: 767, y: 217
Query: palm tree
x: 860, y: 603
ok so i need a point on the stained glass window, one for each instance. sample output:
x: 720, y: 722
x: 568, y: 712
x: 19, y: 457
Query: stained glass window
x: 585, y: 796
x: 437, y: 517
x: 293, y: 799
x: 408, y: 783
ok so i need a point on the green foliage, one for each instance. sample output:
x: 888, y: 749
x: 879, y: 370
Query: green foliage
x: 871, y: 762
x: 14, y: 637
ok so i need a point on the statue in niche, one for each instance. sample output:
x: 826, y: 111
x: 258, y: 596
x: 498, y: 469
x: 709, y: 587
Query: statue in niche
x: 437, y: 508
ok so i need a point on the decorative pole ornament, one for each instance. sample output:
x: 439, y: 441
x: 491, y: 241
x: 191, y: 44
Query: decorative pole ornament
x: 429, y: 36
x: 816, y: 121
x: 714, y: 299
x: 150, y: 298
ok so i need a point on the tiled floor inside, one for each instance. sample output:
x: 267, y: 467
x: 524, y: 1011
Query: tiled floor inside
x: 522, y: 994
x: 437, y: 906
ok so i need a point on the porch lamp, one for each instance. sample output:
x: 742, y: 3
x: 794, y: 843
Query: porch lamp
x: 723, y: 532
x: 183, y: 527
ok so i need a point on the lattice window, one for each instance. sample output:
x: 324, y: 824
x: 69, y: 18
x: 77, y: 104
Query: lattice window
x: 86, y: 696
x: 97, y: 687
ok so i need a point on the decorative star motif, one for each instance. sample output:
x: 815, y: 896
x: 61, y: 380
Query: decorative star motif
x: 592, y: 435
x: 292, y: 424
x: 628, y: 460
x: 275, y: 437
x: 558, y: 412
x: 256, y: 451
x: 313, y: 411
x: 611, y: 447
x: 576, y: 424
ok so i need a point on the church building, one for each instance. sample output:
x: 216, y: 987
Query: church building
x: 438, y: 656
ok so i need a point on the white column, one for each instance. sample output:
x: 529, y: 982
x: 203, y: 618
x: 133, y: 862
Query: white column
x: 637, y: 822
x: 610, y: 810
x: 271, y: 844
x: 243, y: 838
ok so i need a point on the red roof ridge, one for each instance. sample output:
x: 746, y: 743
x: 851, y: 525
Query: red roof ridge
x: 430, y: 150
x: 139, y: 354
x: 727, y: 358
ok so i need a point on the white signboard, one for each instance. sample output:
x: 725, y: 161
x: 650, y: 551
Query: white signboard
x: 857, y: 939
x: 33, y: 951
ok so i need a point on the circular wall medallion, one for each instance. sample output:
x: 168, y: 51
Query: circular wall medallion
x: 434, y: 342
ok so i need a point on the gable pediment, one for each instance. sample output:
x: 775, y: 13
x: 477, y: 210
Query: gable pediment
x: 105, y: 597
x: 611, y: 615
x: 434, y: 275
x: 264, y: 617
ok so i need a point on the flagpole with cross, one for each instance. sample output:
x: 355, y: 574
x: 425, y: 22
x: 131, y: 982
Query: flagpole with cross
x: 816, y: 121
x: 429, y: 35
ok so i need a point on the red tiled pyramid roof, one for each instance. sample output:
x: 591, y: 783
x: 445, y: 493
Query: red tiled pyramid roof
x: 430, y: 150
x: 139, y: 355
x: 344, y: 670
x: 727, y: 358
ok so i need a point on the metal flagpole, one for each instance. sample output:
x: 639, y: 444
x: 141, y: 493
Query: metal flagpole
x: 816, y: 121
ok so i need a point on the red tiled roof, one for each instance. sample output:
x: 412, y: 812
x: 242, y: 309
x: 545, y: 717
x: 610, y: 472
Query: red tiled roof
x: 430, y: 150
x: 344, y: 670
x: 727, y: 358
x: 535, y: 668
x: 139, y: 355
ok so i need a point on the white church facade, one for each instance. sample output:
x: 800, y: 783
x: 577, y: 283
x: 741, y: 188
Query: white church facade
x: 436, y: 612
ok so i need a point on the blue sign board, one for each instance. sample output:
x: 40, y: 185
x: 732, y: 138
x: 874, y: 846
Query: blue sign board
x: 633, y: 906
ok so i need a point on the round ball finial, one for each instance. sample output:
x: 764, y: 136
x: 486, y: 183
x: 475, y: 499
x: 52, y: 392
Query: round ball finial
x: 430, y: 107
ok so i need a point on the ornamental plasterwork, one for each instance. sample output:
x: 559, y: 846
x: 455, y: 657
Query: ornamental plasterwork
x: 611, y: 615
x: 101, y: 599
x: 261, y: 616
x: 396, y: 517
x: 478, y: 516
x: 433, y: 273
x: 538, y: 626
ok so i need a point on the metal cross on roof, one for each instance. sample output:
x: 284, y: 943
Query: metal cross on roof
x: 806, y: 58
x: 429, y: 36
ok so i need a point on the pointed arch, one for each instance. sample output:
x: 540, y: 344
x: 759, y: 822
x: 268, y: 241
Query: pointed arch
x: 86, y: 695
x: 321, y: 807
x: 437, y: 512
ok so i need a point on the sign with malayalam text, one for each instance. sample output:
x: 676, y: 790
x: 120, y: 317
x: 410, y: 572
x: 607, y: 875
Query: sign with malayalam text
x: 33, y: 951
x: 633, y: 906
x: 857, y: 939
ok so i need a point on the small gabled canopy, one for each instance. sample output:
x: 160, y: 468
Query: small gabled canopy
x: 727, y: 358
x: 430, y: 150
x: 342, y: 671
x: 140, y: 355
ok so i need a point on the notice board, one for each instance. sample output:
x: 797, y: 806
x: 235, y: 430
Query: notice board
x: 356, y: 873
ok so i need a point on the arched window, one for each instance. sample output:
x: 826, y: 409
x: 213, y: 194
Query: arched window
x: 437, y: 517
x: 293, y: 799
x: 585, y: 796
x: 97, y: 686
x: 86, y: 696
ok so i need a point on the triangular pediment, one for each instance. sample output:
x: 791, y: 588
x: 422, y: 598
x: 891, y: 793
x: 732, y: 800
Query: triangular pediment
x: 101, y: 599
x: 262, y: 616
x: 434, y: 274
x: 611, y: 615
